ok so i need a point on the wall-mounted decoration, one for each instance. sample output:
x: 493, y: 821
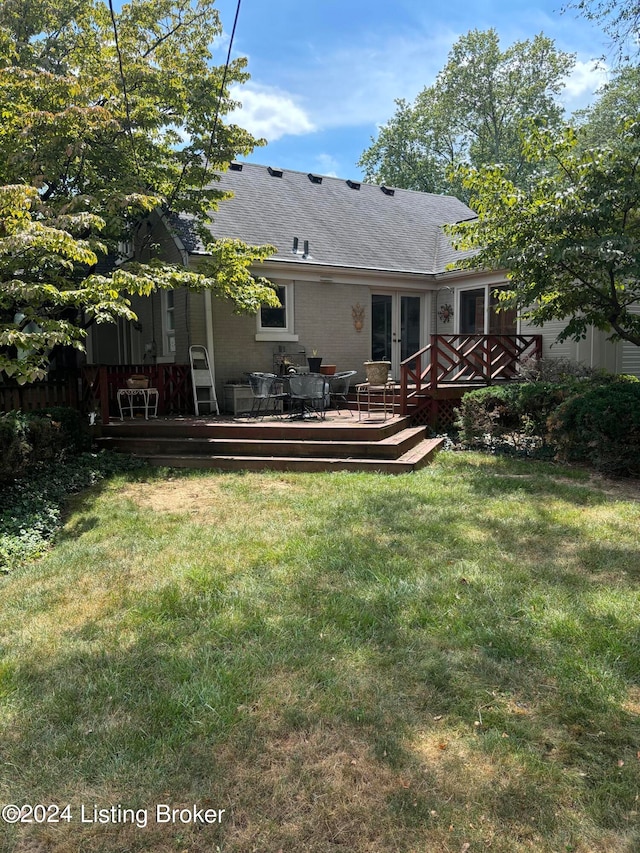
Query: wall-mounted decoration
x: 445, y: 312
x: 357, y: 312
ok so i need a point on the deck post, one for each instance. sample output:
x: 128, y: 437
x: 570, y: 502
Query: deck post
x: 433, y: 384
x: 490, y: 341
x: 103, y: 389
x: 160, y: 385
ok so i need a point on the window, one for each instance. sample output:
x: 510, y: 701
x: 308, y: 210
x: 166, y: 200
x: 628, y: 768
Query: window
x: 275, y: 318
x: 502, y: 322
x: 168, y: 322
x: 277, y: 324
x: 472, y: 312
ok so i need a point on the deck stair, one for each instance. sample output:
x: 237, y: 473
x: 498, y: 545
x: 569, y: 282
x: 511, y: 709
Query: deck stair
x: 393, y: 446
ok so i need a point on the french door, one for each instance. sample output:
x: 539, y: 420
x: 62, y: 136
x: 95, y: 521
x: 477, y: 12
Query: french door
x: 397, y: 327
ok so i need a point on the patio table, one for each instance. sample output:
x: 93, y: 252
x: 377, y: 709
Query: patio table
x: 311, y: 390
x: 144, y: 399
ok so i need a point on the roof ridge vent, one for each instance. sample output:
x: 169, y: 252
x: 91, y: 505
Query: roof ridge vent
x: 235, y: 167
x: 388, y: 190
x: 275, y: 173
x: 315, y: 179
x: 355, y: 185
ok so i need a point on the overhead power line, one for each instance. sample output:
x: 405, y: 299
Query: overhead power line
x: 222, y: 85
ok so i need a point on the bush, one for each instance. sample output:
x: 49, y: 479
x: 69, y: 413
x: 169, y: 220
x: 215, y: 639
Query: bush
x: 73, y: 427
x: 556, y: 370
x: 594, y: 418
x: 33, y: 438
x: 488, y: 413
x: 601, y: 424
x: 511, y: 416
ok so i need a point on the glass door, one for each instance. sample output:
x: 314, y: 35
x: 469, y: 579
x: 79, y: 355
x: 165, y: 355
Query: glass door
x: 396, y: 327
x: 472, y: 312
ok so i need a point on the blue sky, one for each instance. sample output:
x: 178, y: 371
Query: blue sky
x: 325, y: 73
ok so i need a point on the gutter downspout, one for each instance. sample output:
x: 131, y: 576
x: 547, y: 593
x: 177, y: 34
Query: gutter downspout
x: 208, y: 324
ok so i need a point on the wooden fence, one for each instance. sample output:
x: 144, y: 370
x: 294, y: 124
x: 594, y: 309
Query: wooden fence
x: 94, y: 388
x: 58, y: 389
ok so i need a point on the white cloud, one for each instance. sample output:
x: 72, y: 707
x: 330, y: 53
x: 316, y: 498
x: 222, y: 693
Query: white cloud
x: 269, y: 112
x: 340, y: 86
x: 581, y: 85
x: 359, y: 85
x: 327, y: 165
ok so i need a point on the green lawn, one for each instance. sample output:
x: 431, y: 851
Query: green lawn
x: 443, y: 661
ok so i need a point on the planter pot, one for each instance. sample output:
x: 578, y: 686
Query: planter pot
x: 377, y: 372
x: 138, y: 381
x: 314, y: 363
x: 328, y: 369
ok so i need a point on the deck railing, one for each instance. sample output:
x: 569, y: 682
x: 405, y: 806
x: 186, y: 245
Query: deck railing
x: 94, y: 388
x: 100, y: 386
x: 446, y: 360
x: 455, y: 359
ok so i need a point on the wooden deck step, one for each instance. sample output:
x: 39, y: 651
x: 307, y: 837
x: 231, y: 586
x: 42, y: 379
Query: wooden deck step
x: 345, y: 429
x: 392, y: 446
x: 412, y: 460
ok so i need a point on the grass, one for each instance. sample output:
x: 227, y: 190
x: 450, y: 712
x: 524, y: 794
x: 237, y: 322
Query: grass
x: 445, y: 661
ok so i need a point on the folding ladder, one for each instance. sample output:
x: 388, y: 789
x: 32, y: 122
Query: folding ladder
x: 204, y: 389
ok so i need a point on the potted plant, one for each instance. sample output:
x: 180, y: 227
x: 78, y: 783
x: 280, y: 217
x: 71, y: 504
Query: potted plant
x: 377, y: 372
x: 314, y: 360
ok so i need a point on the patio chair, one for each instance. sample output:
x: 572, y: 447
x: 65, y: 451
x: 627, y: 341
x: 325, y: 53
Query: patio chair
x: 267, y: 393
x: 311, y: 391
x: 339, y: 388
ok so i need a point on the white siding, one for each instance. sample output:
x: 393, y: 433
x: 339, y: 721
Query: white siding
x: 630, y: 354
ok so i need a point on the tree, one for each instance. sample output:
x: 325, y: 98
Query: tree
x: 571, y: 242
x: 103, y: 117
x: 472, y: 113
x: 620, y: 20
x: 617, y: 101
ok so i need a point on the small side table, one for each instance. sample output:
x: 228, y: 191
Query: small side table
x: 142, y: 399
x: 376, y: 398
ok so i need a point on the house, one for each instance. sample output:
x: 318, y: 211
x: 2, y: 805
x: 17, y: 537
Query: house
x: 362, y: 271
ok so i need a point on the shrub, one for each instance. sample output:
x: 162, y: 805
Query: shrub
x: 73, y: 427
x: 511, y: 416
x: 594, y: 418
x: 14, y: 447
x: 487, y: 413
x: 554, y: 370
x: 33, y: 438
x: 601, y: 424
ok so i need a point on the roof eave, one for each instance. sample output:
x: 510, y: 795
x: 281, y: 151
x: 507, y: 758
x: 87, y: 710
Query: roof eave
x: 311, y: 264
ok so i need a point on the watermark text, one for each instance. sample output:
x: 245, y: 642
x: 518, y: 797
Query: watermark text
x: 161, y: 813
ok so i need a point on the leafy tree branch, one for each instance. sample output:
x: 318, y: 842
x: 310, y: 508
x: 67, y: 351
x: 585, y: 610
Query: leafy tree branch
x: 570, y: 243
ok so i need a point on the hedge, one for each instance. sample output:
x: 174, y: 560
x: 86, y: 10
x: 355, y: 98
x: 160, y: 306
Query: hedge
x: 33, y: 438
x: 601, y: 425
x: 594, y: 418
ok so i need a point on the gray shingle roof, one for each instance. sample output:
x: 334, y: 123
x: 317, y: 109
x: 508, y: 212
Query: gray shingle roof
x: 359, y: 228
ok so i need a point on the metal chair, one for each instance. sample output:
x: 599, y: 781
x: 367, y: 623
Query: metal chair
x: 311, y: 390
x: 265, y: 387
x: 339, y: 389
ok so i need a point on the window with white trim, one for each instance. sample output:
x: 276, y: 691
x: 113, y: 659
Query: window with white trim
x: 168, y: 322
x: 277, y: 324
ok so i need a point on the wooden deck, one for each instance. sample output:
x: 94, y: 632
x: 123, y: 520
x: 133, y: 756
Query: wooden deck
x: 337, y: 443
x: 431, y: 380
